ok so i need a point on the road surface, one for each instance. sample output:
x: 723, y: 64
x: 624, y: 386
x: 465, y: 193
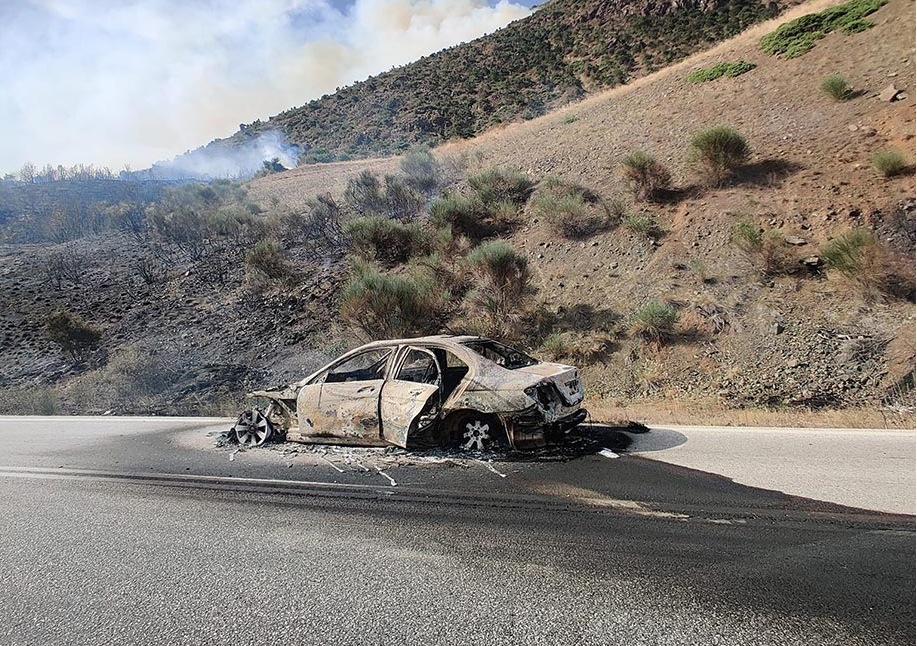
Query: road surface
x: 139, y: 531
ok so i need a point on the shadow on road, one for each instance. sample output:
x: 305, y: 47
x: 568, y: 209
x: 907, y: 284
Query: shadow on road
x: 589, y: 439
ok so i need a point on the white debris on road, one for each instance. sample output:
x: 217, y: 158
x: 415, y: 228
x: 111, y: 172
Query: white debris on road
x: 490, y: 467
x: 387, y: 477
x: 608, y: 453
x: 333, y: 465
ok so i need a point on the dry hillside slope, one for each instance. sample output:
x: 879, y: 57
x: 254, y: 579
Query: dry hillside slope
x: 806, y: 338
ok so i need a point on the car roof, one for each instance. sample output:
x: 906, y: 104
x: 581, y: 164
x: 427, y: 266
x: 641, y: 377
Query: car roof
x: 437, y: 339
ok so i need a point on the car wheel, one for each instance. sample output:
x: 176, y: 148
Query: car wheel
x: 253, y: 428
x: 479, y: 432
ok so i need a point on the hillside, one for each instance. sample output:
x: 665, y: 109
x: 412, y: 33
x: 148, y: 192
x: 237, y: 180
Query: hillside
x: 791, y: 341
x: 564, y: 50
x: 810, y: 177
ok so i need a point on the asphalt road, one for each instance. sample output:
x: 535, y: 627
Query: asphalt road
x: 120, y: 531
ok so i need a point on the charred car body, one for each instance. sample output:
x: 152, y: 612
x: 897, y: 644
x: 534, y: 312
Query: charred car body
x: 438, y: 390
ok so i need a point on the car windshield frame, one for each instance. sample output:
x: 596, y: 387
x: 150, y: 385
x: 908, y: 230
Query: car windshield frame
x: 512, y: 359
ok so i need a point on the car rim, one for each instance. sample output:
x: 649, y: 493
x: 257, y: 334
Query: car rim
x: 477, y: 432
x: 253, y: 428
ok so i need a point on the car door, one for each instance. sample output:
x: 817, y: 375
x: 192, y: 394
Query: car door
x: 347, y: 404
x: 411, y: 398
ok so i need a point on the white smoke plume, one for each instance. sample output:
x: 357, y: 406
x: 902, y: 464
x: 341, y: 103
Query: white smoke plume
x: 237, y: 162
x: 115, y: 82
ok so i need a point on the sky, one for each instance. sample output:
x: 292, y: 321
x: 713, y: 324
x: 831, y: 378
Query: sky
x: 130, y: 82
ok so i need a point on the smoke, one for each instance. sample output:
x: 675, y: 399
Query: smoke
x: 120, y: 82
x: 241, y: 161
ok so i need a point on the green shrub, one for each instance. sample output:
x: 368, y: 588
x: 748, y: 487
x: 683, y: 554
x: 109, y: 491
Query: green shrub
x: 836, y: 87
x: 641, y: 223
x: 74, y: 335
x: 648, y: 178
x: 747, y: 235
x: 503, y: 284
x: 495, y: 185
x: 889, y: 162
x: 766, y: 250
x: 582, y: 347
x: 654, y: 322
x: 555, y: 346
x: 718, y: 152
x: 861, y: 259
x: 847, y: 254
x: 379, y: 238
x: 421, y: 170
x: 392, y: 306
x: 267, y: 257
x: 467, y: 216
x: 797, y: 37
x: 198, y: 218
x: 719, y: 70
x: 570, y: 210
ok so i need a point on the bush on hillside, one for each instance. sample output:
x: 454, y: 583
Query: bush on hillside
x: 836, y: 87
x: 862, y: 260
x: 647, y: 177
x: 797, y: 37
x: 570, y: 210
x: 401, y: 200
x: 495, y: 185
x: 643, y: 223
x: 464, y: 215
x: 654, y: 322
x: 195, y: 219
x: 379, y: 238
x: 421, y: 170
x: 889, y: 162
x: 366, y: 195
x: 134, y: 380
x: 719, y: 70
x: 75, y: 336
x: 386, y: 306
x: 267, y: 258
x: 29, y: 400
x: 59, y: 267
x: 718, y: 152
x: 504, y: 284
x: 767, y: 251
x: 580, y: 347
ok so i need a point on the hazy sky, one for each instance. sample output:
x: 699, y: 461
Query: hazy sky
x: 114, y: 82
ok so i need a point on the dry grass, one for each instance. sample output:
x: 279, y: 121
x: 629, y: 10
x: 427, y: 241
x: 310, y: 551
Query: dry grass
x: 672, y: 412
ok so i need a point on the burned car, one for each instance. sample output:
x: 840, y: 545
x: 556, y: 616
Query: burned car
x: 464, y: 391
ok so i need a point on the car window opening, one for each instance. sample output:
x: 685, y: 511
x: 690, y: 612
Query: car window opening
x: 500, y: 354
x: 366, y: 366
x: 419, y: 367
x: 454, y: 370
